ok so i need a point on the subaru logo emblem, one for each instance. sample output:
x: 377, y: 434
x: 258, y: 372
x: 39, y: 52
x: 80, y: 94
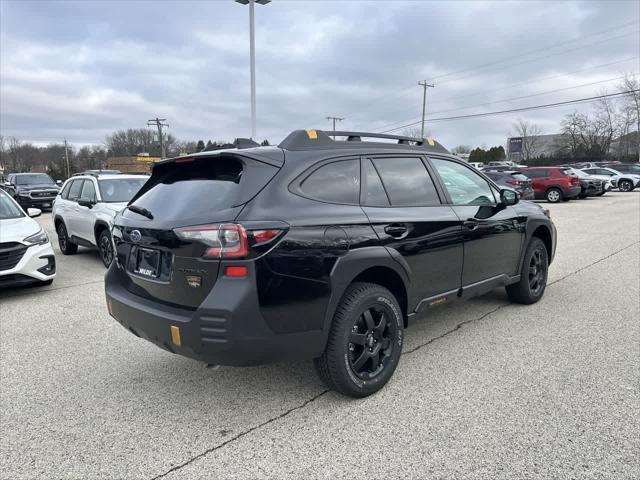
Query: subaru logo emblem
x: 135, y: 236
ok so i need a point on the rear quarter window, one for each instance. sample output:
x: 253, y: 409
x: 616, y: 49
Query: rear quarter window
x: 335, y: 182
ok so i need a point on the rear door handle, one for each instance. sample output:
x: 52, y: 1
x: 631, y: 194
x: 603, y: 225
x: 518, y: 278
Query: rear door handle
x: 395, y: 230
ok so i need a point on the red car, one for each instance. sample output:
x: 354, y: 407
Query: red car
x: 553, y: 183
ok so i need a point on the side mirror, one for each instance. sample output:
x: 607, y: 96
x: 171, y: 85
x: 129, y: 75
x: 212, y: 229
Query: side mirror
x: 508, y: 196
x: 34, y: 212
x: 58, y: 182
x: 7, y: 184
x: 85, y: 202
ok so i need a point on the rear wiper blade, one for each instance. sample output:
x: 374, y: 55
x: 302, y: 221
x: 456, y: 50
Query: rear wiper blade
x: 141, y: 211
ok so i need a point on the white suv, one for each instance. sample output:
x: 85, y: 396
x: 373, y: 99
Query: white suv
x: 26, y: 255
x: 84, y: 209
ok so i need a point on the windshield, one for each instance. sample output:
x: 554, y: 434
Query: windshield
x: 118, y: 190
x: 34, y: 179
x: 8, y: 208
x: 579, y: 173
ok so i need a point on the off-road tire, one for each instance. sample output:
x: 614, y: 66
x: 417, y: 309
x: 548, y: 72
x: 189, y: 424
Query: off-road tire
x: 524, y: 291
x: 106, y: 248
x: 334, y: 366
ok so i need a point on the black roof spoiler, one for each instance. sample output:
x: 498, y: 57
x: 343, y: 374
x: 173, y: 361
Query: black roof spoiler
x: 321, y: 139
x: 239, y: 143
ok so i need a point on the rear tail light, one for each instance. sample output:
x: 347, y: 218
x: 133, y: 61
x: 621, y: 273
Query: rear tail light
x: 263, y: 236
x: 222, y: 241
x: 226, y: 240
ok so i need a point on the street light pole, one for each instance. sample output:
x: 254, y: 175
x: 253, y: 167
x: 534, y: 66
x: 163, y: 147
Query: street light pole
x: 252, y: 40
x: 252, y: 54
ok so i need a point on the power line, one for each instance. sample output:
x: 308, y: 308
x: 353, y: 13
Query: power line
x: 523, y: 109
x: 542, y: 49
x: 513, y: 85
x: 536, y: 80
x: 402, y: 91
x: 545, y: 56
x: 510, y: 99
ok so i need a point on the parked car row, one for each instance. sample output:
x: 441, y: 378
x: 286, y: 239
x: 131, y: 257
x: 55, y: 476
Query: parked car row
x: 566, y: 182
x: 83, y: 212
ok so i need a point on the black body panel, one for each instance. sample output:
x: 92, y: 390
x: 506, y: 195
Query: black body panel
x: 283, y: 306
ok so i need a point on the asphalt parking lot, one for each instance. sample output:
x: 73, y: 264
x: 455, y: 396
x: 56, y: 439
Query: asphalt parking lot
x: 485, y: 389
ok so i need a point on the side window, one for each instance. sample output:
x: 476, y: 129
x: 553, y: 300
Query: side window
x: 373, y: 193
x: 336, y: 182
x: 602, y: 171
x: 407, y: 182
x: 74, y: 190
x: 88, y: 190
x: 464, y: 185
x: 65, y: 191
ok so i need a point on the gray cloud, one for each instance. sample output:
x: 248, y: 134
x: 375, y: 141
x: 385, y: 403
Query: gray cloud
x: 83, y: 69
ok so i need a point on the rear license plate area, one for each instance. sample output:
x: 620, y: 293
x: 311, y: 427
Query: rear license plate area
x: 147, y: 262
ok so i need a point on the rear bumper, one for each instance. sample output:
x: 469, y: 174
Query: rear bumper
x: 572, y: 192
x: 226, y: 329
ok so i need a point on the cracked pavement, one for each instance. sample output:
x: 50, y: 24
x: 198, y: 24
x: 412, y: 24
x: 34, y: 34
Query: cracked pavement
x: 484, y: 389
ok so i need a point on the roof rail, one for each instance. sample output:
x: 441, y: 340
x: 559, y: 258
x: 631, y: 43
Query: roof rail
x: 95, y: 173
x: 309, y: 139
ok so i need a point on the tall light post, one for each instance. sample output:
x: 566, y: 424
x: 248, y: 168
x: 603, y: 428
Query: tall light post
x: 252, y: 40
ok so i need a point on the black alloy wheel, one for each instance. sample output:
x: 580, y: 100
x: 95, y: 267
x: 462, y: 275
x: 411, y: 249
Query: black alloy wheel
x: 533, y: 274
x: 371, y: 343
x: 106, y: 248
x: 537, y: 271
x: 66, y: 246
x: 365, y: 341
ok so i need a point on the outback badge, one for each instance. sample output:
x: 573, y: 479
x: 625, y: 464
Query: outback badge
x: 194, y: 280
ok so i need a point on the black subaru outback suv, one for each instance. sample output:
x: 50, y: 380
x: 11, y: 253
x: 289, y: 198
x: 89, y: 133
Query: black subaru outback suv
x: 317, y: 249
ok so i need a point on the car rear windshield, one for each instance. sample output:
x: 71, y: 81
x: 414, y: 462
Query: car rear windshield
x: 197, y: 187
x: 115, y: 190
x: 34, y: 179
x: 8, y: 208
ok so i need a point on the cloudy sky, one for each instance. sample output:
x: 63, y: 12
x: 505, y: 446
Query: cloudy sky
x: 80, y: 70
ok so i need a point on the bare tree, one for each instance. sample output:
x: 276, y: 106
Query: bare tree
x: 631, y: 84
x: 414, y: 132
x: 531, y: 142
x: 461, y: 149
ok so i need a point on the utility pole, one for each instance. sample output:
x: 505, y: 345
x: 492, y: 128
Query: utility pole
x: 335, y: 119
x: 66, y: 157
x: 425, y: 85
x: 159, y: 123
